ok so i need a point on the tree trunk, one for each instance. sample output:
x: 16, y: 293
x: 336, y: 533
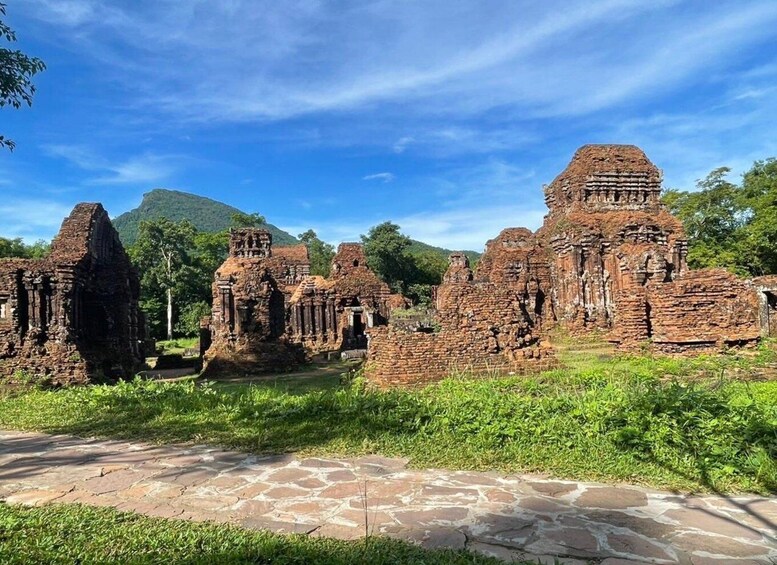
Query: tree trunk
x: 169, y: 313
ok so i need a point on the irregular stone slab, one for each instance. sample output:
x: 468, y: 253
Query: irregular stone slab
x: 34, y: 497
x: 612, y: 498
x: 712, y: 522
x: 634, y: 545
x: 718, y: 545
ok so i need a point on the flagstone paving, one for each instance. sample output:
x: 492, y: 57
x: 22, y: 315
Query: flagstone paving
x: 511, y: 517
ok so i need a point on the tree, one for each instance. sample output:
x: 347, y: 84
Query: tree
x: 387, y: 254
x: 162, y: 252
x: 17, y: 248
x: 758, y: 242
x: 242, y: 220
x: 16, y: 72
x: 729, y: 225
x: 320, y: 253
x: 429, y: 268
x: 713, y: 217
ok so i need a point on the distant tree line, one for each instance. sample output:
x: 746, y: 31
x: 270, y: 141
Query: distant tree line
x: 17, y: 248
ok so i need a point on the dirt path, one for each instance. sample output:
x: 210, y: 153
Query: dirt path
x: 512, y: 517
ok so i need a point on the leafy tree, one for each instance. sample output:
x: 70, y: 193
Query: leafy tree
x: 712, y: 216
x: 387, y: 254
x: 17, y: 248
x: 758, y: 241
x: 428, y: 269
x: 320, y: 252
x: 162, y: 252
x: 16, y: 72
x: 189, y: 319
x: 729, y: 225
x: 413, y: 273
x: 241, y: 220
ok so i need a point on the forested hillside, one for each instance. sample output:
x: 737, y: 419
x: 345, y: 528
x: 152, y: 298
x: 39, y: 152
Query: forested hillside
x: 205, y: 214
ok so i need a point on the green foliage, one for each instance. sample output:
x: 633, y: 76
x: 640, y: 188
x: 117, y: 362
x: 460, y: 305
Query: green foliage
x: 70, y: 533
x: 413, y: 273
x: 17, y: 248
x: 407, y: 266
x: 622, y: 419
x: 16, y: 73
x: 418, y: 247
x: 387, y: 254
x: 190, y: 316
x: 321, y: 253
x: 162, y: 254
x: 243, y: 220
x: 207, y: 215
x: 729, y: 225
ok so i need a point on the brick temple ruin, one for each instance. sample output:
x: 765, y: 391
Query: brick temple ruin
x: 72, y: 317
x: 269, y: 313
x: 609, y: 257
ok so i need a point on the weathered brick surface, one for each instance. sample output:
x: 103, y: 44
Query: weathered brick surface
x: 72, y: 317
x: 609, y: 256
x: 485, y: 325
x: 269, y: 314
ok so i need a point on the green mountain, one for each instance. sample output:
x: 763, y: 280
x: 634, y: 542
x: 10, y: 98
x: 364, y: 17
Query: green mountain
x: 212, y: 216
x: 206, y: 214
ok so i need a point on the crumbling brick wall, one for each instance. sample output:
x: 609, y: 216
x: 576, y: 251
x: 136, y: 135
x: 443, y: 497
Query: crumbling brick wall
x: 333, y: 313
x: 248, y: 322
x: 608, y: 256
x: 270, y: 314
x: 483, y: 325
x: 608, y: 232
x: 72, y: 317
x: 704, y: 309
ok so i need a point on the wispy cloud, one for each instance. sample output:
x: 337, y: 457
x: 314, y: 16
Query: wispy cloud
x: 314, y: 57
x: 401, y: 144
x: 141, y: 169
x: 31, y: 219
x: 384, y: 177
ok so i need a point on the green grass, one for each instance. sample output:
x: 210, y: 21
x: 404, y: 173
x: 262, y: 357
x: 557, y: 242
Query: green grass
x: 177, y: 346
x: 80, y: 534
x: 692, y: 424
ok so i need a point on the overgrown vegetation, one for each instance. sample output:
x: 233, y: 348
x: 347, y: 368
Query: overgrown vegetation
x: 80, y: 534
x: 706, y: 423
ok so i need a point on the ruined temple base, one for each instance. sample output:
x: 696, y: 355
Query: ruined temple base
x: 261, y: 358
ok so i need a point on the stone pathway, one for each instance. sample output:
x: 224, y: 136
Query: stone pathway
x: 511, y: 517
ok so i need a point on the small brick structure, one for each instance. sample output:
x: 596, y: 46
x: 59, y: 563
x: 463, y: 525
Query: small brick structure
x: 270, y: 314
x: 72, y: 317
x: 608, y: 257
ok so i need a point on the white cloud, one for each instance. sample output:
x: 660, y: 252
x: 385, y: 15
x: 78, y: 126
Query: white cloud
x: 286, y: 59
x: 141, y: 169
x: 31, y: 219
x: 384, y: 177
x: 401, y: 144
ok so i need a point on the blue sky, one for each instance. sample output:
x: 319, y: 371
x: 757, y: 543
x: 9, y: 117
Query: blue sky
x: 446, y: 117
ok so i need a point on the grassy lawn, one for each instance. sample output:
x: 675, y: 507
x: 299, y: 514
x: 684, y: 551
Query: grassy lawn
x: 692, y: 424
x: 80, y: 534
x: 177, y: 346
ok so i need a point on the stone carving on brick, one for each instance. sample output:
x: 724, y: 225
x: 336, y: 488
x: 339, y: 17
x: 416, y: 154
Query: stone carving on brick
x: 72, y: 317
